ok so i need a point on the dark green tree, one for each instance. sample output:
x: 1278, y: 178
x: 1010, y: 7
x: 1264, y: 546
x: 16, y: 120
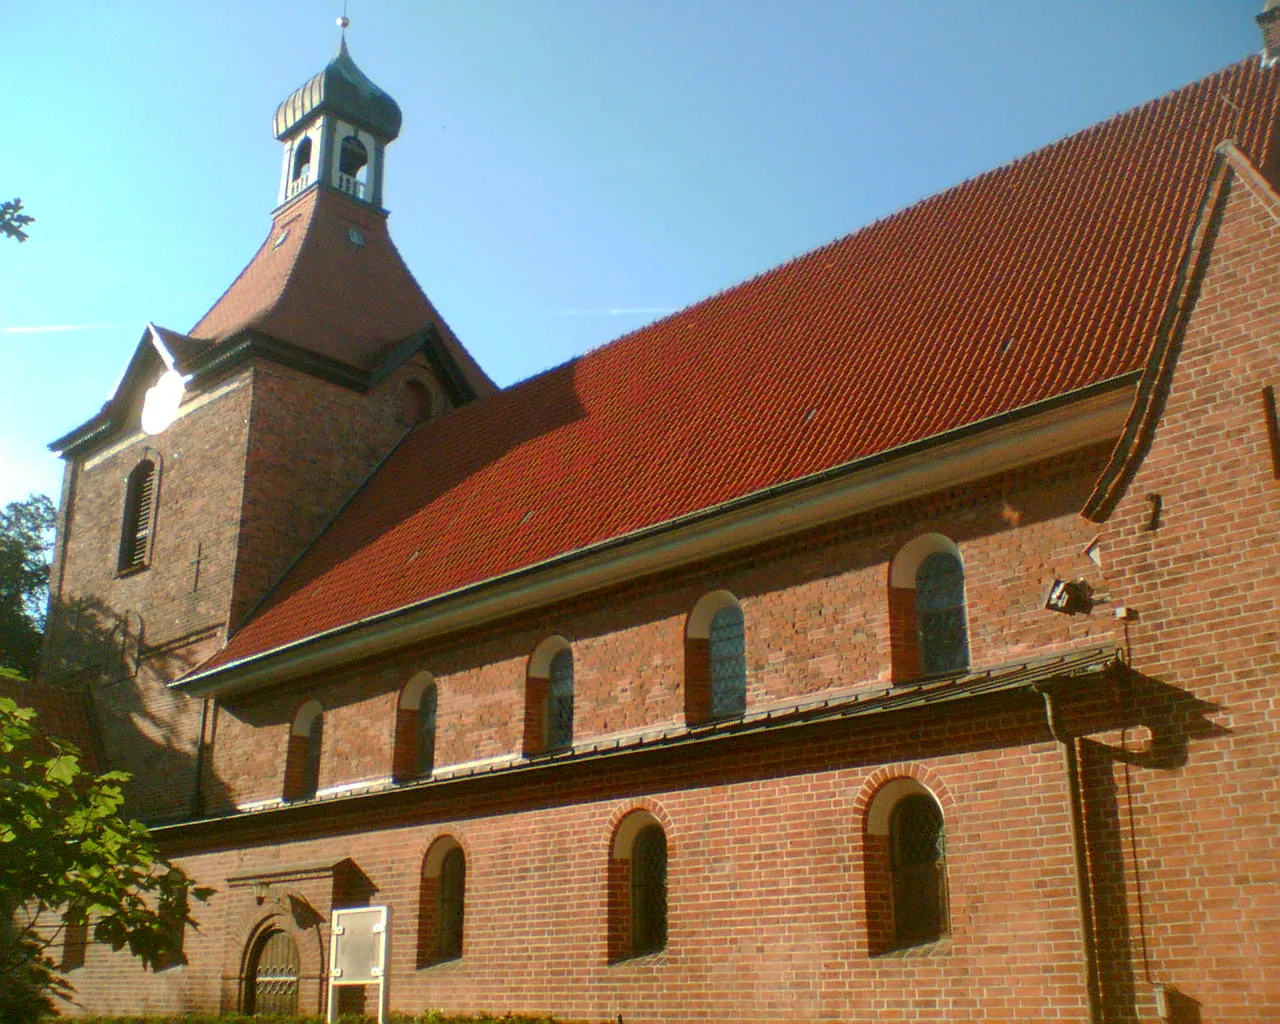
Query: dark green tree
x: 68, y: 859
x: 26, y: 538
x: 13, y: 220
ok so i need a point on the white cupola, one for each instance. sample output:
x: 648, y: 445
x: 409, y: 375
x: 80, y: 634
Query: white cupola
x: 335, y: 131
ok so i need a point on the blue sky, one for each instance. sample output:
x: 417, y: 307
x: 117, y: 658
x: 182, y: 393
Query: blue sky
x: 568, y: 170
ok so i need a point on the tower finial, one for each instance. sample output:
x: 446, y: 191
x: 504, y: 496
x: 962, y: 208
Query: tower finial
x: 344, y: 21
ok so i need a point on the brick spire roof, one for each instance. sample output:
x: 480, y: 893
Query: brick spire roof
x: 312, y: 284
x: 1035, y: 279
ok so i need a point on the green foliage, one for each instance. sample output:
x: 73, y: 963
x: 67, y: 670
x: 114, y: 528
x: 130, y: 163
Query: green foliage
x: 26, y: 538
x: 67, y: 856
x: 13, y: 220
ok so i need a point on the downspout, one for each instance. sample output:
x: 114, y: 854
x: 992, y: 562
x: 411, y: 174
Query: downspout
x: 1084, y: 895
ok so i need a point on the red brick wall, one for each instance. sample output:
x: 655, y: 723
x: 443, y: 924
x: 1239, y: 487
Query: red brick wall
x: 1195, y: 788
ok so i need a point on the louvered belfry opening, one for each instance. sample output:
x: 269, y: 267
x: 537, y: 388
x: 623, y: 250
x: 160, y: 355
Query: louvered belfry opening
x: 139, y: 507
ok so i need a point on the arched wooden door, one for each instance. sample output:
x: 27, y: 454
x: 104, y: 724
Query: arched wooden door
x: 271, y: 980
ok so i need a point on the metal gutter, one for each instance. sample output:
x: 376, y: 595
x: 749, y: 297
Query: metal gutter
x: 1045, y: 429
x: 1027, y: 677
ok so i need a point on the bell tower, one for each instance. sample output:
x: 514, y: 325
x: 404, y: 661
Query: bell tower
x: 225, y: 450
x: 335, y: 129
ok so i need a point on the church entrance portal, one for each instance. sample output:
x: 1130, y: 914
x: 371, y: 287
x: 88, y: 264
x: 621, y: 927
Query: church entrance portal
x: 271, y: 981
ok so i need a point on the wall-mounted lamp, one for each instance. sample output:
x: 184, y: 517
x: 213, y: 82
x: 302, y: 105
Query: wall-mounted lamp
x: 1070, y: 598
x: 260, y: 891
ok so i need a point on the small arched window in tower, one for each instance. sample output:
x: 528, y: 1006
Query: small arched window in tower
x: 139, y: 516
x: 415, y: 403
x: 917, y: 851
x: 302, y: 760
x: 944, y: 641
x: 301, y: 175
x: 353, y: 162
x: 560, y: 702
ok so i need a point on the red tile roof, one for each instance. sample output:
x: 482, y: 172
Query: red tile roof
x: 1035, y: 279
x: 321, y: 291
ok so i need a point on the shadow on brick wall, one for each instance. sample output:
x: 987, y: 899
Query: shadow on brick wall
x: 136, y: 723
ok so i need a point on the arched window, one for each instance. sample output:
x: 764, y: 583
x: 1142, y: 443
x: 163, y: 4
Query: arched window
x: 415, y: 403
x: 944, y: 642
x: 139, y: 516
x: 352, y: 157
x: 649, y: 891
x: 715, y: 659
x: 415, y: 742
x: 548, y: 722
x: 927, y: 621
x: 302, y: 761
x: 637, y: 887
x: 560, y: 702
x: 302, y: 161
x: 905, y: 867
x: 442, y: 902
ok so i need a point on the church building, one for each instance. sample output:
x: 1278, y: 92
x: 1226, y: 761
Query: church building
x: 891, y: 637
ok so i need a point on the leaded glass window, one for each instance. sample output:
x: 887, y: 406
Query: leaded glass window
x: 944, y: 640
x: 425, y: 752
x: 728, y: 663
x: 560, y: 702
x: 917, y: 845
x: 452, y: 905
x: 649, y: 891
x: 310, y: 780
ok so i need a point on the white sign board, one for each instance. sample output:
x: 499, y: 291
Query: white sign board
x: 358, y: 953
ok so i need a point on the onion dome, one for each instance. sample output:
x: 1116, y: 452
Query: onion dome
x: 343, y: 90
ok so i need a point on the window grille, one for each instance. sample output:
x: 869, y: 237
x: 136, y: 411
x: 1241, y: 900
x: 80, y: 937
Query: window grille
x: 139, y: 504
x: 425, y: 753
x: 944, y: 640
x: 452, y: 904
x: 728, y: 663
x: 917, y: 844
x: 560, y: 702
x: 649, y: 891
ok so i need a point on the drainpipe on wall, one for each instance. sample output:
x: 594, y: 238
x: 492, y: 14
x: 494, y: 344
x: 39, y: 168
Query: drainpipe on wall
x: 197, y: 791
x: 1084, y: 896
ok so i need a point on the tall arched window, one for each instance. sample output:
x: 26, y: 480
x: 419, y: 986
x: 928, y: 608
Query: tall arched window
x: 715, y: 659
x: 649, y: 891
x: 904, y: 867
x: 637, y: 887
x: 560, y: 702
x: 917, y: 851
x: 944, y: 642
x: 548, y: 709
x: 139, y: 515
x: 442, y: 902
x: 414, y: 752
x: 302, y: 761
x: 928, y: 631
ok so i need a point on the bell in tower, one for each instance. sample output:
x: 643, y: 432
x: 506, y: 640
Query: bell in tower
x: 335, y: 129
